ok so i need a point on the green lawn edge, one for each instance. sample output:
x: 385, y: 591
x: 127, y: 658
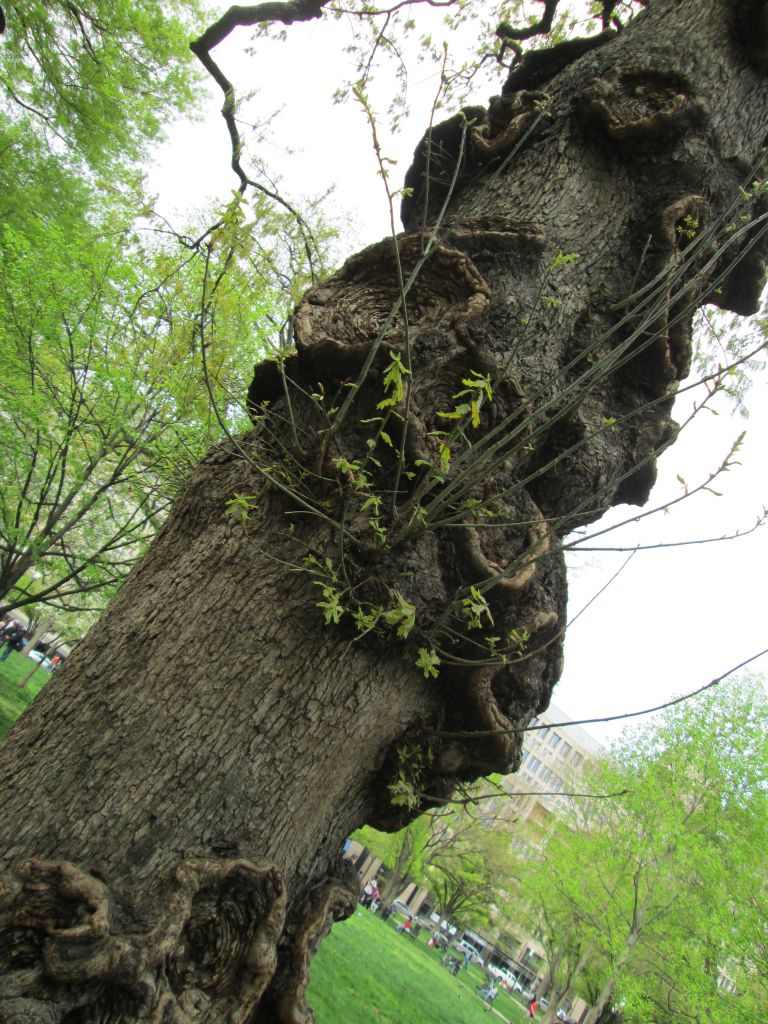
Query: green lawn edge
x: 366, y: 971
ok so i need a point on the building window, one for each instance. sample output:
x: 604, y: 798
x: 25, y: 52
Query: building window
x: 565, y: 749
x: 576, y: 759
x: 535, y: 763
x: 554, y: 739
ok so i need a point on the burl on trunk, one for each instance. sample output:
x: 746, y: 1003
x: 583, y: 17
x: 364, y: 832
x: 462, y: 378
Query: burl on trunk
x: 174, y: 804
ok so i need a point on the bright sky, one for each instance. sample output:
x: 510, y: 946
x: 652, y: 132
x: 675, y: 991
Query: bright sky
x: 675, y: 617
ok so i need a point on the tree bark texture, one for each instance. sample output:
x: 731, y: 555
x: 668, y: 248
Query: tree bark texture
x: 174, y: 803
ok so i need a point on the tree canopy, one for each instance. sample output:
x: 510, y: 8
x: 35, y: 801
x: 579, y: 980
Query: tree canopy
x: 127, y: 345
x: 96, y: 81
x: 649, y: 902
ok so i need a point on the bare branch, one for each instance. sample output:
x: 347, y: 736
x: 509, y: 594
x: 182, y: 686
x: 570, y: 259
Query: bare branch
x: 235, y: 17
x: 510, y: 35
x: 525, y: 792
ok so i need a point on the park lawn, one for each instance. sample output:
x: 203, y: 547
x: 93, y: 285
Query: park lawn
x: 366, y: 972
x: 14, y: 700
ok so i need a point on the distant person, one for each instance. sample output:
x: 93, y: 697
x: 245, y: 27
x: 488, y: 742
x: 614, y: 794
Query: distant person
x: 467, y: 960
x: 55, y: 662
x: 368, y: 893
x: 12, y: 638
x: 533, y: 1007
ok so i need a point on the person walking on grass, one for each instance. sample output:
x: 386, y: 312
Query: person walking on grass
x: 533, y: 1006
x: 12, y: 637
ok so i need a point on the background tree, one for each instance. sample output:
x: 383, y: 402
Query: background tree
x: 95, y: 80
x: 124, y: 361
x: 451, y: 852
x: 460, y: 398
x: 638, y: 899
x: 468, y: 870
x: 401, y: 852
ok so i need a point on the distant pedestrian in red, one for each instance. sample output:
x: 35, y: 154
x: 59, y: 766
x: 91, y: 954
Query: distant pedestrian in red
x: 532, y: 1007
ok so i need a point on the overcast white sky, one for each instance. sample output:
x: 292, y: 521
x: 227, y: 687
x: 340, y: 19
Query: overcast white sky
x: 675, y: 617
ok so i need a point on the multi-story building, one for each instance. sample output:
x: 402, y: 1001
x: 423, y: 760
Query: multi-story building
x: 554, y: 755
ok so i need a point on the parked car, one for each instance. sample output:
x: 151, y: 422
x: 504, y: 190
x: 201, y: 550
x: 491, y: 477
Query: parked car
x: 402, y: 908
x: 503, y: 975
x: 42, y: 660
x: 465, y: 946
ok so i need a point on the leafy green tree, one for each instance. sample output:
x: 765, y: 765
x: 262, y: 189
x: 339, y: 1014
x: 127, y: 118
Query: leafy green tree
x: 642, y: 899
x: 123, y: 364
x: 96, y: 79
x: 465, y: 872
x: 451, y: 852
x: 401, y: 852
x: 126, y: 346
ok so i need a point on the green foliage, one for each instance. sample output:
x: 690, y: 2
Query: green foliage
x: 393, y: 382
x: 402, y: 615
x: 475, y: 607
x: 406, y: 788
x: 125, y: 358
x: 649, y: 899
x: 428, y: 662
x: 240, y: 507
x: 449, y: 851
x: 126, y: 348
x: 98, y: 79
x: 478, y: 388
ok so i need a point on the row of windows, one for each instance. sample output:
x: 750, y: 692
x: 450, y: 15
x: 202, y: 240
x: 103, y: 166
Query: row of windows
x: 543, y: 774
x: 556, y: 742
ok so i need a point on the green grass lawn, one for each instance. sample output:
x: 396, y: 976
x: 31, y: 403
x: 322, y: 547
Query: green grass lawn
x: 13, y: 700
x: 365, y: 972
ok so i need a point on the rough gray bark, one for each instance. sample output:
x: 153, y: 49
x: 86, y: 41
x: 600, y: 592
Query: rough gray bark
x: 175, y: 802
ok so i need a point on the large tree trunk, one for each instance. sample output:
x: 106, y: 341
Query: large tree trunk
x: 175, y: 802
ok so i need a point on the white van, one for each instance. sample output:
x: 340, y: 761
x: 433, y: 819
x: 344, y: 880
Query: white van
x: 504, y: 975
x: 465, y: 946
